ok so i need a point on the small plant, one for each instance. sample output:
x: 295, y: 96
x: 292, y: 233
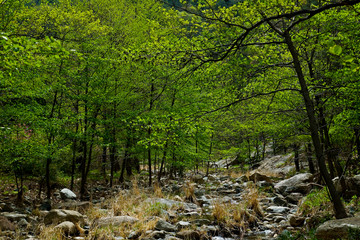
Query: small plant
x: 353, y: 234
x: 157, y: 209
x: 316, y: 201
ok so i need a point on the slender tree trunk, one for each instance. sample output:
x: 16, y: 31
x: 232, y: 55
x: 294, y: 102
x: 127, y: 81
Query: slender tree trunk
x: 210, y: 152
x: 296, y: 158
x: 149, y: 133
x: 162, y: 161
x: 309, y: 159
x: 103, y: 163
x: 357, y: 141
x: 339, y: 208
x: 112, y: 164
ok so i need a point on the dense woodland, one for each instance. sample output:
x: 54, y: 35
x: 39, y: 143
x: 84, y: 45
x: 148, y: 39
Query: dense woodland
x: 110, y: 87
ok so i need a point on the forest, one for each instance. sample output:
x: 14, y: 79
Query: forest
x: 104, y: 90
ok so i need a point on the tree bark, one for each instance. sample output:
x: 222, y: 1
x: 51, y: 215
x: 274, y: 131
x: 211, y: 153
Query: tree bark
x: 339, y: 208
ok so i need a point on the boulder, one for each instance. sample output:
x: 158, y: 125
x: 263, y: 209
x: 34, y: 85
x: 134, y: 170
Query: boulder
x: 6, y: 225
x: 337, y: 229
x: 67, y: 194
x: 198, y: 178
x: 257, y: 177
x: 67, y: 227
x: 297, y: 183
x: 56, y: 216
x: 14, y: 217
x: 163, y: 225
x: 296, y: 221
x: 114, y: 221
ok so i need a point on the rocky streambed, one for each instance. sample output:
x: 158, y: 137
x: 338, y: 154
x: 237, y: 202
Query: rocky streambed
x: 217, y: 207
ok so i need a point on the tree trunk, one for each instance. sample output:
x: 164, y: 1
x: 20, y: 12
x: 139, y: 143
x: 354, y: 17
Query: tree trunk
x: 339, y: 208
x: 296, y: 158
x: 309, y: 158
x: 103, y: 163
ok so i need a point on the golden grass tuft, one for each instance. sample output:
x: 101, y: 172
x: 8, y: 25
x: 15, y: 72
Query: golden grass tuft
x: 253, y: 201
x: 157, y: 190
x: 219, y: 211
x: 50, y: 233
x: 189, y: 190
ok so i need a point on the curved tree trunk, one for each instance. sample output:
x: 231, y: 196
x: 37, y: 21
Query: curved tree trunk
x: 339, y: 208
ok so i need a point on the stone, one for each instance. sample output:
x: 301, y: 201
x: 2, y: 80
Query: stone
x: 198, y: 178
x: 23, y: 223
x: 279, y: 201
x: 14, y: 217
x: 277, y: 209
x: 73, y: 205
x: 199, y: 222
x: 67, y: 227
x: 156, y: 234
x: 294, y: 197
x: 188, y: 235
x: 183, y: 224
x: 294, y: 184
x: 337, y: 229
x: 6, y: 225
x: 162, y: 225
x: 56, y: 216
x: 296, y: 221
x: 134, y: 235
x: 114, y: 221
x: 257, y: 177
x: 66, y: 194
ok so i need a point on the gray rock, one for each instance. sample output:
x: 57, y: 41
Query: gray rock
x: 114, y: 221
x: 198, y: 178
x: 280, y: 201
x: 23, y: 223
x: 294, y: 197
x: 67, y: 227
x: 156, y: 234
x: 162, y: 225
x: 58, y: 215
x: 294, y: 184
x: 257, y: 177
x: 134, y: 235
x: 66, y: 194
x: 14, y: 217
x: 277, y: 209
x: 183, y: 224
x: 296, y: 221
x: 199, y: 222
x: 337, y: 229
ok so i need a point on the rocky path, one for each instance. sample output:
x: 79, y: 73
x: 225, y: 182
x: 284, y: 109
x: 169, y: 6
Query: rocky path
x: 259, y: 205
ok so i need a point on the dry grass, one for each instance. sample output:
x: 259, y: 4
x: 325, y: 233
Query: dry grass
x: 252, y: 201
x: 157, y: 190
x: 220, y: 211
x: 189, y: 190
x: 50, y: 233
